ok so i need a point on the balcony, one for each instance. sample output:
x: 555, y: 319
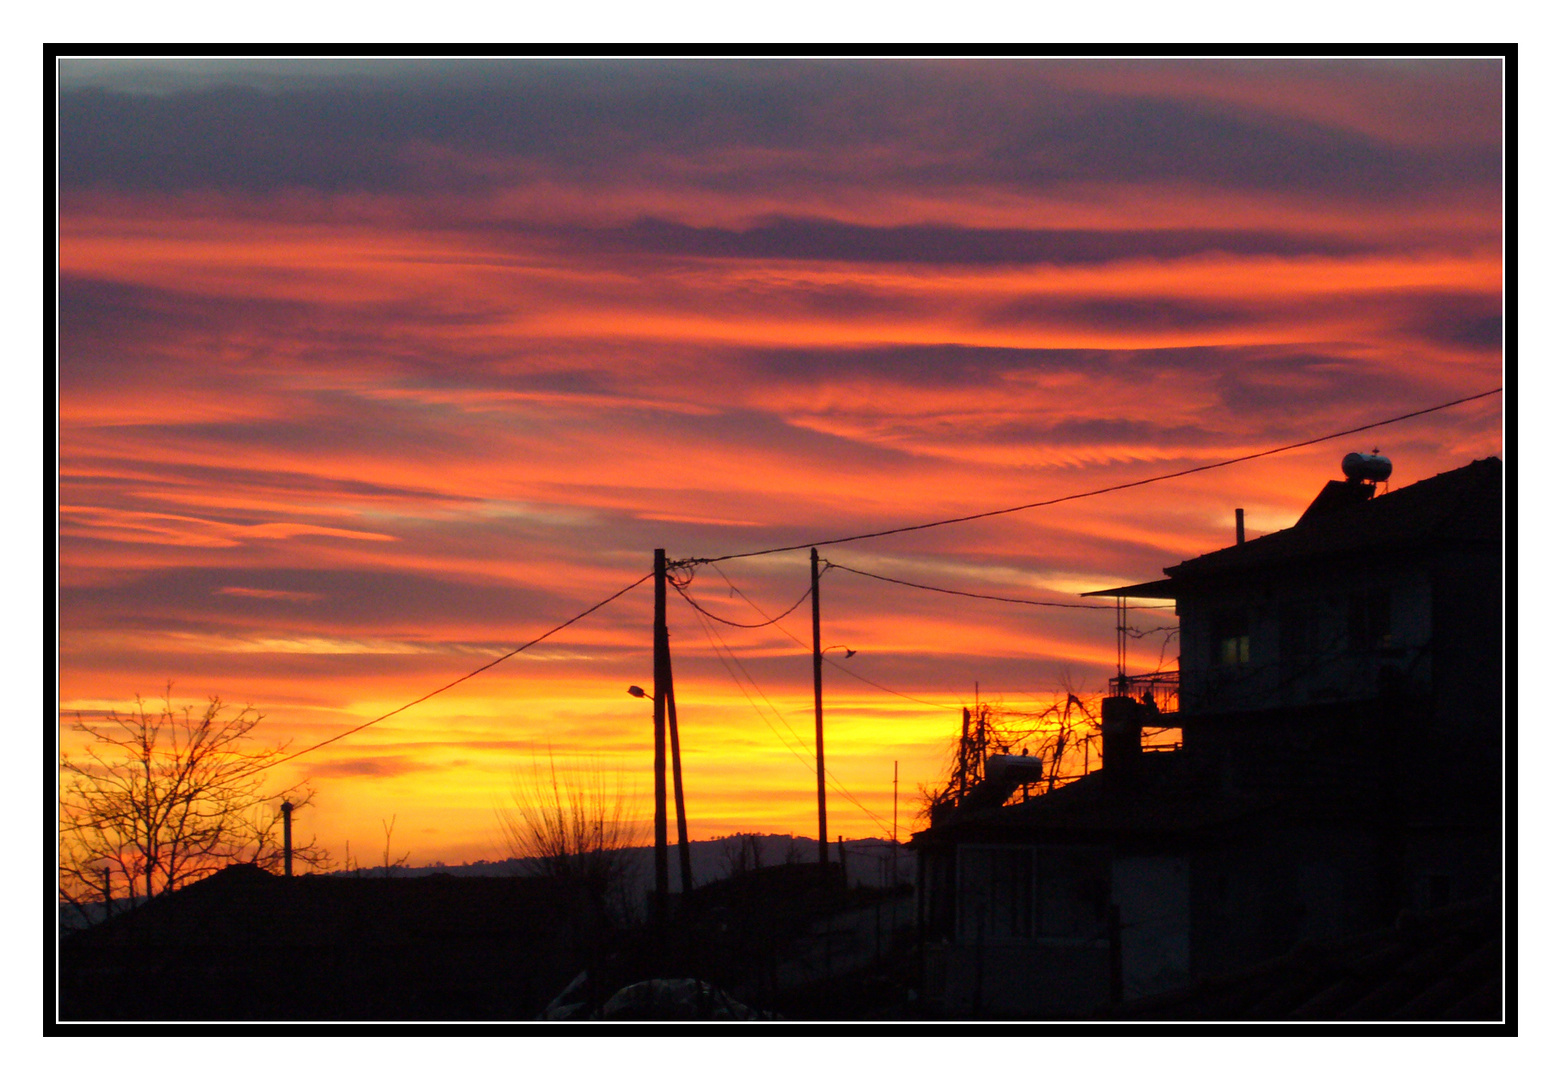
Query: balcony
x: 1161, y: 689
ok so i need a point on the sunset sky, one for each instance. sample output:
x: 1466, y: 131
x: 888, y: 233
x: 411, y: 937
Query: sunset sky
x: 370, y: 371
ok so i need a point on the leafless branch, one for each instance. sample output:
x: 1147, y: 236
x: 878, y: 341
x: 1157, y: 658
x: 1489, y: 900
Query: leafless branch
x: 163, y: 796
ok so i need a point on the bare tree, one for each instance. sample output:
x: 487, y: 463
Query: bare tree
x: 1063, y: 734
x: 390, y: 865
x: 164, y: 796
x: 742, y: 853
x: 574, y: 823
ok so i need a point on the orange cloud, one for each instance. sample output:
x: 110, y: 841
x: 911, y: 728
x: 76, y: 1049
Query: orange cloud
x: 337, y: 429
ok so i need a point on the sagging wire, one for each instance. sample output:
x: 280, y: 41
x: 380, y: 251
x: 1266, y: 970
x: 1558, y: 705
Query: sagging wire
x: 717, y: 644
x: 682, y: 584
x: 1104, y: 490
x: 453, y: 682
x: 987, y: 596
x: 840, y: 788
x: 830, y: 660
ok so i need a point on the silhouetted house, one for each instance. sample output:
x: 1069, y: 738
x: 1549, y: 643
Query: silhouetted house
x: 1340, y: 761
x: 246, y: 945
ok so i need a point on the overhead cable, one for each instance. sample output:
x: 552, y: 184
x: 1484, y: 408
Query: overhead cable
x: 840, y: 788
x: 988, y: 596
x: 830, y: 660
x: 683, y: 591
x: 717, y: 645
x: 1099, y: 491
x: 454, y: 682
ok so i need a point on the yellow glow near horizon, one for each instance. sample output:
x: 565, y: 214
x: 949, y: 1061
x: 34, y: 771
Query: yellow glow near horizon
x: 341, y: 420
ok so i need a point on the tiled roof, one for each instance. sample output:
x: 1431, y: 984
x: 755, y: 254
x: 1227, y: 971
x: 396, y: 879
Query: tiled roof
x: 1464, y: 504
x: 1434, y: 965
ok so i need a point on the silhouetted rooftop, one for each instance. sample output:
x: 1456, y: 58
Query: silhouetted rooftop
x: 245, y: 944
x: 1160, y: 800
x: 1463, y: 504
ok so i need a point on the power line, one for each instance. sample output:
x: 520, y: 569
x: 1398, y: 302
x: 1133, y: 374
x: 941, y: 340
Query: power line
x: 868, y: 536
x: 453, y: 682
x: 853, y: 800
x: 827, y: 659
x: 716, y: 647
x: 683, y: 591
x: 988, y: 596
x: 840, y: 788
x: 1100, y: 491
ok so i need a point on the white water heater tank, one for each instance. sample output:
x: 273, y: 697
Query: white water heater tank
x: 1372, y: 468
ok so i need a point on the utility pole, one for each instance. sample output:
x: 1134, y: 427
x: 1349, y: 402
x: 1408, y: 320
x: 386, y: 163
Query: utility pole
x: 659, y: 713
x: 287, y: 839
x: 818, y: 720
x: 685, y: 864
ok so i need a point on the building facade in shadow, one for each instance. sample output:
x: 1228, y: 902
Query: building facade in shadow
x: 1339, y: 702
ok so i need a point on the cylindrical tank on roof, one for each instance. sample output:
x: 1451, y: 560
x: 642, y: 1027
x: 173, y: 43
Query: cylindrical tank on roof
x: 1372, y: 468
x: 1021, y: 768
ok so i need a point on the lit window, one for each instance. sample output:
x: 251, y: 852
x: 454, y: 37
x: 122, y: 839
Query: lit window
x: 1232, y: 642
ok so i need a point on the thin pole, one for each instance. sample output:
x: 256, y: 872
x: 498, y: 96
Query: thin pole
x: 982, y: 714
x: 896, y: 833
x: 818, y: 721
x: 1122, y: 646
x: 660, y: 719
x: 287, y: 839
x: 685, y: 864
x: 964, y: 752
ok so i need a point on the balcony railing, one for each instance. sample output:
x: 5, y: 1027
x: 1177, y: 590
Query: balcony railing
x: 1163, y: 689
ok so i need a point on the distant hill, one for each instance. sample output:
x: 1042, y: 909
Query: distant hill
x: 868, y: 863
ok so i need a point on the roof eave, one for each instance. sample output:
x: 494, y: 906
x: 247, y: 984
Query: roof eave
x: 1164, y: 589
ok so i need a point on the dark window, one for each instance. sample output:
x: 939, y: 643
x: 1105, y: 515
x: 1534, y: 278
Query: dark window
x: 1298, y: 631
x: 1232, y: 643
x: 1371, y: 620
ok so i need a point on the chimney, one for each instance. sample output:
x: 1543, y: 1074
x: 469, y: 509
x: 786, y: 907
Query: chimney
x: 1121, y: 731
x: 1241, y: 526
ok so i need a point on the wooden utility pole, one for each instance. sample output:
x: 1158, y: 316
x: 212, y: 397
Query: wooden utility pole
x: 287, y: 839
x: 660, y: 719
x: 896, y: 834
x: 818, y: 721
x: 685, y: 864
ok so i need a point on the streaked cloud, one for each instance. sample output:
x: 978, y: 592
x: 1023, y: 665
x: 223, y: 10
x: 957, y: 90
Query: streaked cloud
x: 372, y: 370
